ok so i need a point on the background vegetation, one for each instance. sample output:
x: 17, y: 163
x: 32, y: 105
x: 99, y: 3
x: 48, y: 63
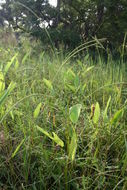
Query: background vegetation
x: 71, y: 22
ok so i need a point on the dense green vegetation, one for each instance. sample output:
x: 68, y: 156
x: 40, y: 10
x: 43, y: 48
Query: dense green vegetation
x: 71, y: 22
x: 63, y: 120
x: 63, y: 95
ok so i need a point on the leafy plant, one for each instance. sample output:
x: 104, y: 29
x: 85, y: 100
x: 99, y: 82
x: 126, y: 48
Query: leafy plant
x: 73, y: 146
x: 96, y: 113
x: 54, y: 138
x: 37, y: 110
x: 106, y: 109
x: 48, y: 83
x: 117, y: 116
x: 74, y: 116
x: 75, y: 113
x: 4, y: 95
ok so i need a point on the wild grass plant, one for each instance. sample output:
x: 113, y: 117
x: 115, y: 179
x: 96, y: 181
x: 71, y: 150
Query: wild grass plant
x: 63, y: 121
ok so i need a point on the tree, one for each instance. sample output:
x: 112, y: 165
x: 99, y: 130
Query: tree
x: 71, y: 22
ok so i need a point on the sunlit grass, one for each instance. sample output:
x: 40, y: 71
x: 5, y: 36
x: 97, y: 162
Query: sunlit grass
x: 62, y: 127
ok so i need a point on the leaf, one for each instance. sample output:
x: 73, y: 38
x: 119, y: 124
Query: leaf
x: 9, y: 64
x: 87, y: 70
x: 71, y: 87
x: 124, y: 167
x: 83, y: 87
x: 48, y: 83
x: 118, y: 115
x: 17, y: 149
x: 125, y: 142
x: 55, y: 138
x: 37, y: 110
x: 6, y: 93
x: 2, y: 82
x: 106, y: 109
x: 44, y: 132
x: 73, y: 146
x: 12, y: 115
x: 96, y: 113
x: 16, y: 64
x: 25, y: 57
x: 70, y: 75
x: 75, y: 112
x: 86, y: 57
x: 58, y: 140
x: 76, y: 81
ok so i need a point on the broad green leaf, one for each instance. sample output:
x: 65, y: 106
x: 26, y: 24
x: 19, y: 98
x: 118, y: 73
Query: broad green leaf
x: 2, y: 82
x: 96, y: 113
x: 9, y: 64
x: 73, y: 147
x: 6, y: 92
x: 48, y: 83
x: 57, y: 140
x: 17, y: 149
x: 118, y: 115
x: 106, y: 109
x: 37, y: 110
x: 75, y: 112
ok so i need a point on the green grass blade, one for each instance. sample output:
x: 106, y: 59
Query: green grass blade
x: 9, y: 64
x: 17, y: 149
x: 73, y: 146
x: 6, y: 93
x: 106, y: 109
x: 96, y: 113
x: 37, y: 110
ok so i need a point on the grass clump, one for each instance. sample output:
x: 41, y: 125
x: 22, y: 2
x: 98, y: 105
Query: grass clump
x: 62, y: 127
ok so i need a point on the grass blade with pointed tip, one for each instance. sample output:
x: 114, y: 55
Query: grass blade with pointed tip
x: 6, y: 93
x: 9, y: 64
x: 37, y: 110
x: 2, y: 82
x: 44, y: 132
x: 106, y: 109
x: 118, y: 115
x: 17, y: 149
x: 48, y: 83
x: 96, y: 113
x: 57, y: 140
x: 54, y: 138
x: 73, y: 147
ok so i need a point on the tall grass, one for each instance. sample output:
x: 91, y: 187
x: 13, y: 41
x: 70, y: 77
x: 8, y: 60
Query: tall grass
x: 62, y: 127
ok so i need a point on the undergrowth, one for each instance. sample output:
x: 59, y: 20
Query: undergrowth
x: 62, y: 127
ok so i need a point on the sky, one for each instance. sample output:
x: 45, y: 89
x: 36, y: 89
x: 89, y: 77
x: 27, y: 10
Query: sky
x: 2, y: 1
x: 52, y: 2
